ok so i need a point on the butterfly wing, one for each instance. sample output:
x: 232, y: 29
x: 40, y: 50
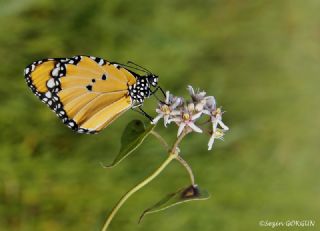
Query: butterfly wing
x: 86, y: 92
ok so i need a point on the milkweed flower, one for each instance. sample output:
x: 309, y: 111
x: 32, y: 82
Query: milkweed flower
x: 217, y: 134
x: 187, y: 119
x: 187, y: 113
x: 216, y: 120
x: 166, y: 109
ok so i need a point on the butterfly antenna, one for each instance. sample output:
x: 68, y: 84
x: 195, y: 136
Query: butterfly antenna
x: 145, y: 69
x: 127, y: 66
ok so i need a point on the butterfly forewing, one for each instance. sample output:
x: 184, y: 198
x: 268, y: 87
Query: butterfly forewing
x: 87, y: 93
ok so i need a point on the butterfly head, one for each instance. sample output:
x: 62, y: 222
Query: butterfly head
x: 152, y: 79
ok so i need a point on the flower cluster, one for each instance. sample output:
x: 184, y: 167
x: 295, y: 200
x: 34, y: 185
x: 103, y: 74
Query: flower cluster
x: 185, y: 114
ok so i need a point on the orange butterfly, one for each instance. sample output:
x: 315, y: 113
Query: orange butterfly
x: 88, y: 93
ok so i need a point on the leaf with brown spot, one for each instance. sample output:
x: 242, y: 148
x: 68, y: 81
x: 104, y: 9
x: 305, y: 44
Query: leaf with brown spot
x: 186, y: 194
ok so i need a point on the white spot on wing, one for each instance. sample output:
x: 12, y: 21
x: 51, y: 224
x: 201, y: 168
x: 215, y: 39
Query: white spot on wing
x: 51, y: 83
x: 55, y: 72
x: 26, y: 71
x: 48, y: 94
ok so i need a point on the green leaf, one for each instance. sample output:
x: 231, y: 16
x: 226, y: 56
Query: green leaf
x: 132, y: 137
x: 189, y: 193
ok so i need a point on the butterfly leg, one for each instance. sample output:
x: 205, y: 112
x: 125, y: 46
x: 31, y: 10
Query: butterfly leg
x: 162, y: 91
x: 142, y: 112
x: 158, y: 88
x: 154, y: 94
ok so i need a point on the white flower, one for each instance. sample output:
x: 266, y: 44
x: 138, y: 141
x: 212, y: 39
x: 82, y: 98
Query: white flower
x: 218, y: 134
x: 201, y: 101
x: 210, y: 104
x: 186, y: 113
x: 186, y: 119
x: 216, y: 119
x: 196, y: 96
x: 167, y: 109
x: 200, y: 105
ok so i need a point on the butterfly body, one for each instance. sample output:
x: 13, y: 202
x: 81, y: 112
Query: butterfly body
x: 87, y: 93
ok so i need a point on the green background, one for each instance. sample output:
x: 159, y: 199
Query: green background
x: 259, y: 58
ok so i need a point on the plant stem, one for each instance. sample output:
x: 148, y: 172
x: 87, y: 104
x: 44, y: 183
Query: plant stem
x: 160, y: 138
x: 187, y: 167
x: 176, y: 144
x: 178, y: 158
x: 173, y: 153
x: 136, y: 188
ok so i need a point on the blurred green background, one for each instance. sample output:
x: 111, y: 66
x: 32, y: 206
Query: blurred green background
x: 259, y: 58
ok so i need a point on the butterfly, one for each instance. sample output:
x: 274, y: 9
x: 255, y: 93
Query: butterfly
x: 88, y: 93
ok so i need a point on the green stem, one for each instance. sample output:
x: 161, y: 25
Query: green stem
x: 136, y: 188
x: 187, y: 167
x: 160, y: 138
x: 178, y: 158
x: 173, y: 153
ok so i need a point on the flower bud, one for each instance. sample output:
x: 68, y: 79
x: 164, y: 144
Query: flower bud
x: 191, y: 107
x: 199, y: 107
